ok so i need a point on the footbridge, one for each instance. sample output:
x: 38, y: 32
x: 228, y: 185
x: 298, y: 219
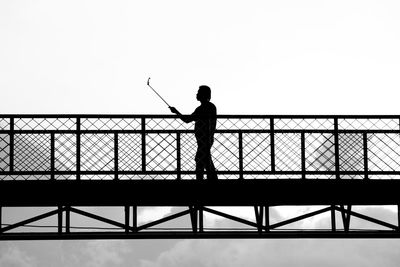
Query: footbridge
x: 69, y: 167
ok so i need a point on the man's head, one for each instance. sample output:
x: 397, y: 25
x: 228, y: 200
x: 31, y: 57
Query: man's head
x: 204, y: 93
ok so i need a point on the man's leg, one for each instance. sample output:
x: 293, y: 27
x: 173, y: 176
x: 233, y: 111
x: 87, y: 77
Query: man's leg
x: 199, y: 164
x: 211, y: 173
x: 210, y: 168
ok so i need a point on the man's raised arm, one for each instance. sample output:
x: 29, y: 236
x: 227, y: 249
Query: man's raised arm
x: 185, y: 118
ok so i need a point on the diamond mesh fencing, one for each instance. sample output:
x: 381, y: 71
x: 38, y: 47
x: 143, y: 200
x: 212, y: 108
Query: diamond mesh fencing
x: 188, y: 151
x: 164, y: 147
x: 369, y: 124
x: 304, y: 124
x: 65, y: 152
x: 225, y: 152
x: 161, y: 124
x: 256, y: 152
x: 110, y: 124
x: 32, y: 152
x: 351, y: 152
x: 130, y: 152
x: 288, y: 152
x: 320, y: 152
x: 4, y: 152
x: 97, y: 152
x: 161, y: 152
x: 4, y: 124
x: 384, y: 152
x: 44, y: 124
x: 243, y: 123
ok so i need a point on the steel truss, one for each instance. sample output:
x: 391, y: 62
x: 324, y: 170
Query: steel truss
x: 260, y: 227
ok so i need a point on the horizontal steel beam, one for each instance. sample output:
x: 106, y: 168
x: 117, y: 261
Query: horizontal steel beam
x: 192, y: 192
x: 227, y: 116
x: 205, y: 235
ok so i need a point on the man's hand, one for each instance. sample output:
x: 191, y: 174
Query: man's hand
x: 174, y: 110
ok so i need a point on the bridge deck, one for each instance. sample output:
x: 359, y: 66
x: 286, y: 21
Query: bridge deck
x: 204, y: 193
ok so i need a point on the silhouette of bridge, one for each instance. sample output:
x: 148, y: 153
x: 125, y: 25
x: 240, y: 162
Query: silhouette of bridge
x: 68, y: 162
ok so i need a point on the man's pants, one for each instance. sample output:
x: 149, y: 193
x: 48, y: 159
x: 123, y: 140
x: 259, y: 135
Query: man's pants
x: 204, y: 161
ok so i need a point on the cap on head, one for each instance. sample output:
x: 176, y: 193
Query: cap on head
x: 205, y: 92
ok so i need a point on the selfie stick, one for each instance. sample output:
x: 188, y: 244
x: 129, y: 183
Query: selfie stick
x: 148, y: 84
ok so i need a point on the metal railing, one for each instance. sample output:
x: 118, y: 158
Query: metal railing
x: 163, y: 147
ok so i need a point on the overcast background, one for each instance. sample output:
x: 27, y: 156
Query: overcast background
x: 259, y: 57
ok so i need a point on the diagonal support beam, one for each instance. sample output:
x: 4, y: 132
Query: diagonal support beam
x: 165, y: 219
x: 230, y: 217
x: 31, y: 220
x: 100, y: 218
x: 193, y: 217
x: 346, y: 217
x: 367, y: 218
x: 299, y: 218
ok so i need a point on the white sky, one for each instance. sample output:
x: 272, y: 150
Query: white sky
x: 259, y: 57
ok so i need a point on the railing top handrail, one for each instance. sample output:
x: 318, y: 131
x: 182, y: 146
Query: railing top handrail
x: 222, y: 116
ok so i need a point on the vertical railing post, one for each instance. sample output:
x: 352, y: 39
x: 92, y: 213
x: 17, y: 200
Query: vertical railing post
x: 67, y: 219
x: 60, y: 219
x: 143, y: 133
x: 12, y: 136
x: 127, y: 219
x: 134, y: 218
x: 1, y: 218
x: 193, y: 218
x: 240, y: 155
x: 398, y: 217
x: 336, y: 137
x: 52, y: 156
x: 78, y: 148
x: 116, y: 169
x: 259, y: 214
x: 178, y: 155
x: 346, y: 217
x: 333, y: 218
x: 365, y: 148
x: 303, y: 155
x: 266, y: 214
x: 201, y: 219
x: 272, y: 137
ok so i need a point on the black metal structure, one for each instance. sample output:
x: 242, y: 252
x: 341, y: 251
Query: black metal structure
x: 67, y: 162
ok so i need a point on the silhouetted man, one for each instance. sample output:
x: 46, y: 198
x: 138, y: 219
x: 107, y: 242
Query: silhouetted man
x: 205, y: 117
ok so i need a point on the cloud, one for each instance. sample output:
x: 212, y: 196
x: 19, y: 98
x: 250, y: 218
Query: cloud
x: 149, y: 214
x: 12, y: 256
x: 105, y: 253
x: 95, y: 253
x: 285, y: 253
